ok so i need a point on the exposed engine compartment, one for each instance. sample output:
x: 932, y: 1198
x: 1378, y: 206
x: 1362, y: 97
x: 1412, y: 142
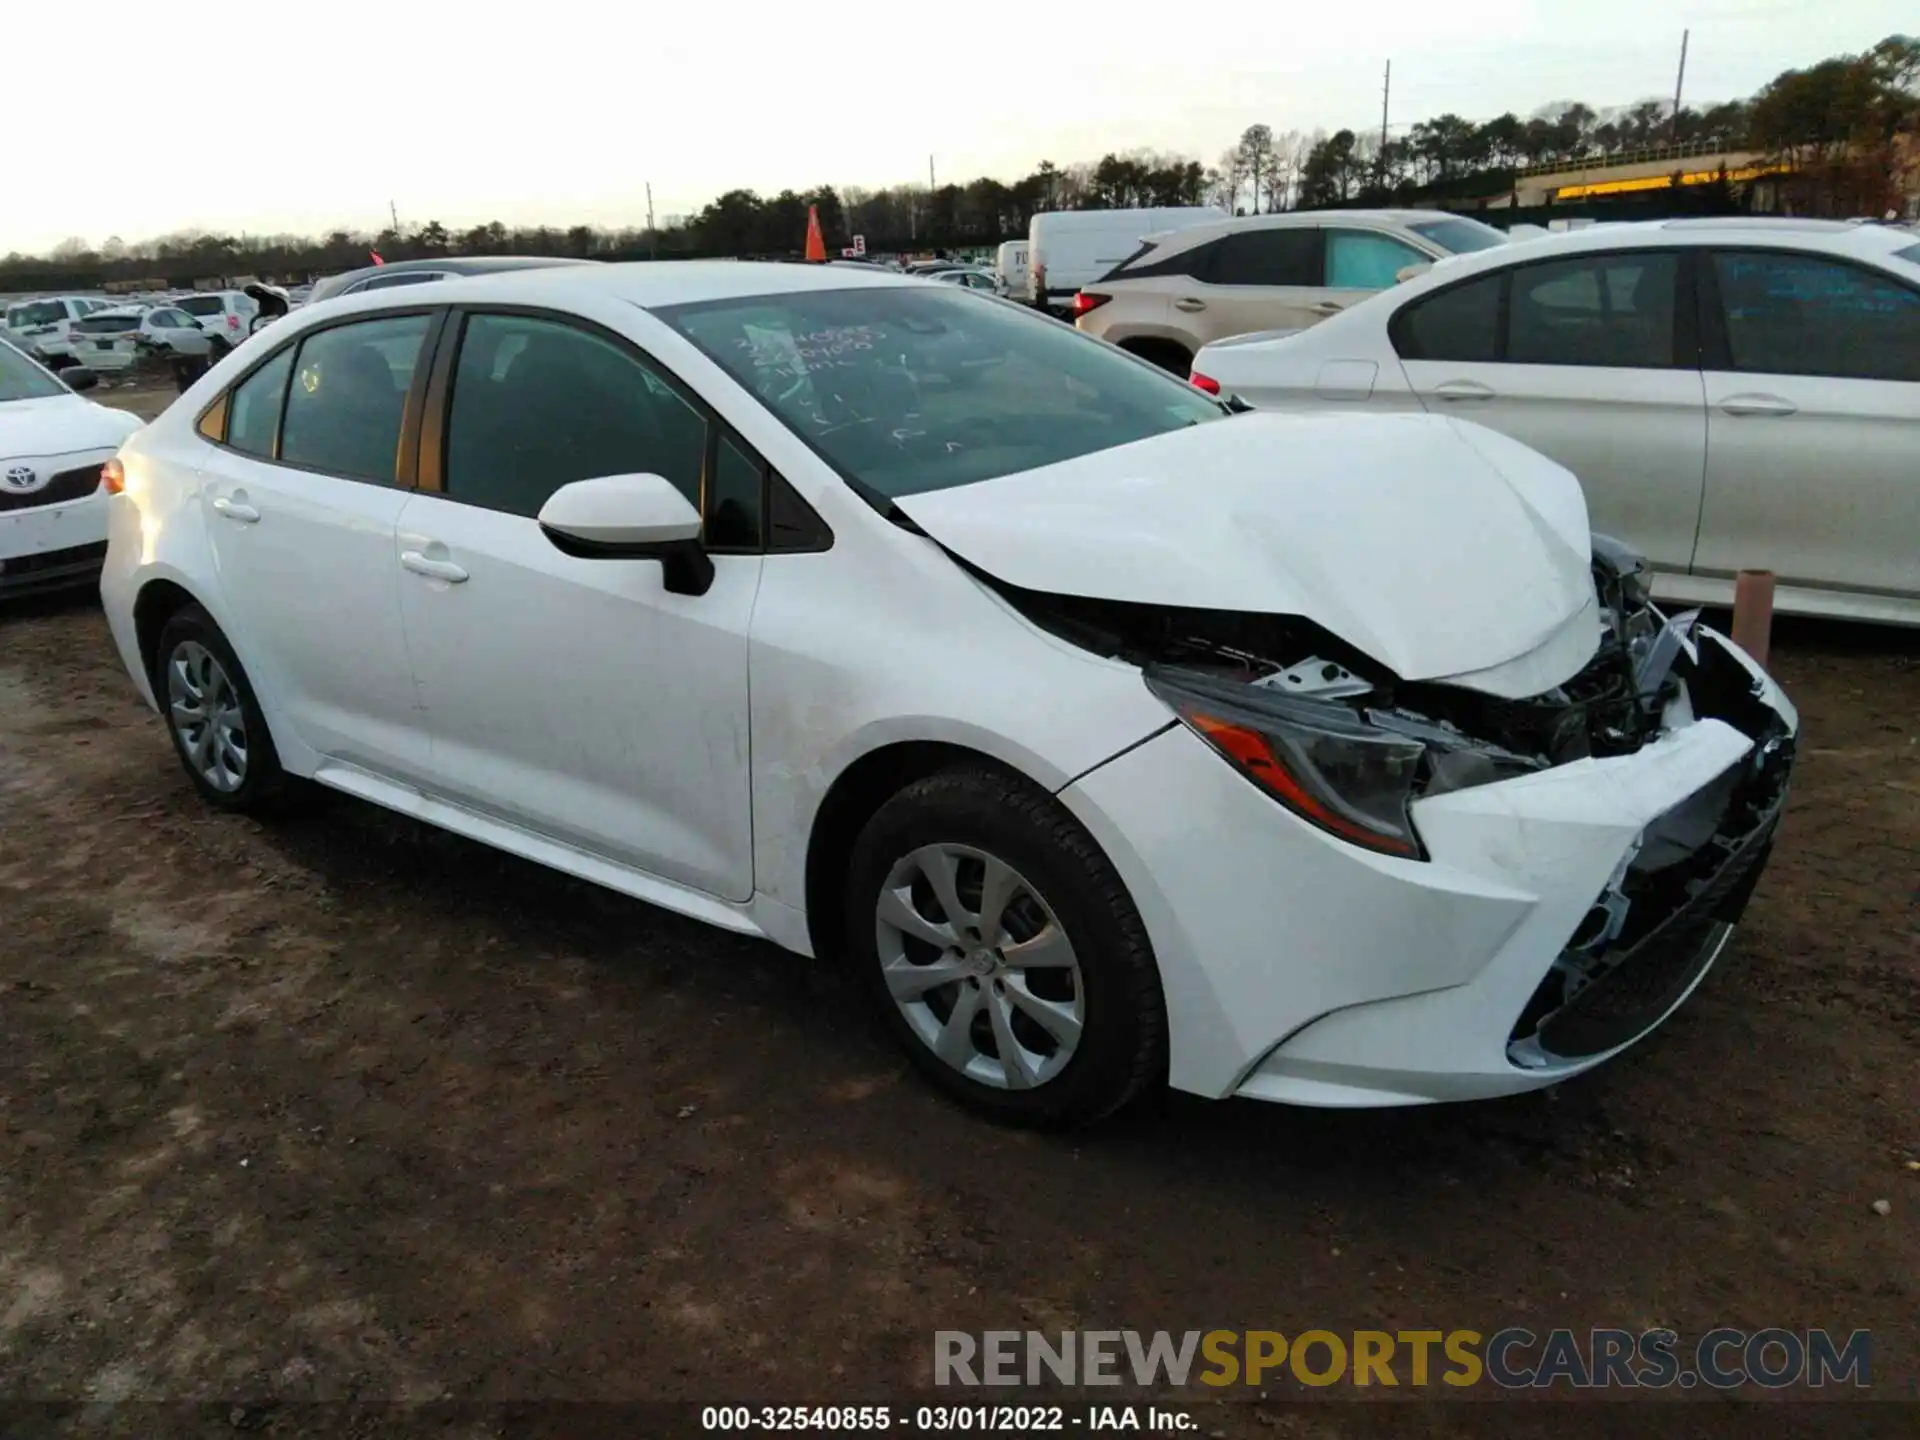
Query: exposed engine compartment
x: 1611, y: 707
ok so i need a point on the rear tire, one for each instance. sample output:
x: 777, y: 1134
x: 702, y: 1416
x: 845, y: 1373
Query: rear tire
x: 1030, y: 991
x: 214, y: 718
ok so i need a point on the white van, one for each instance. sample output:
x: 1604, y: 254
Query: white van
x: 1070, y: 248
x: 1010, y: 268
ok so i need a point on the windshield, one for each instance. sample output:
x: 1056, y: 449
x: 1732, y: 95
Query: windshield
x: 1461, y: 237
x: 201, y: 304
x: 35, y: 312
x: 21, y: 379
x: 905, y: 389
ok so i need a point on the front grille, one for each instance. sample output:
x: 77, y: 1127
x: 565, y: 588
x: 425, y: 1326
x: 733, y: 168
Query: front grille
x: 24, y: 571
x: 75, y: 484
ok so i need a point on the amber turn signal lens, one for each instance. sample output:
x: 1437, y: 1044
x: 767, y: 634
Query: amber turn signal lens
x: 113, y: 477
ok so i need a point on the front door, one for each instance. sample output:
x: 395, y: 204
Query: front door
x: 1587, y: 361
x: 1813, y: 424
x: 579, y: 698
x: 301, y: 500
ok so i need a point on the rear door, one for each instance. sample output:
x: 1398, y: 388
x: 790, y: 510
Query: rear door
x: 1267, y: 278
x: 303, y: 487
x: 1813, y: 422
x: 1591, y: 360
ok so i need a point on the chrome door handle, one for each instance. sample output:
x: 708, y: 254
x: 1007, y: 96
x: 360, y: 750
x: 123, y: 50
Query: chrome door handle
x: 1189, y: 304
x: 236, y: 510
x: 1327, y: 307
x: 1757, y: 405
x: 1462, y: 390
x: 433, y: 569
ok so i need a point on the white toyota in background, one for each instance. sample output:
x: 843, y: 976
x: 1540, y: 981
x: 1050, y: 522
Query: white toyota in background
x: 1113, y: 737
x: 53, y: 515
x: 1733, y: 394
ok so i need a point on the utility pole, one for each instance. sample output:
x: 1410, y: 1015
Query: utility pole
x: 931, y: 187
x: 1386, y: 89
x: 1678, y: 81
x: 653, y: 236
x: 394, y: 215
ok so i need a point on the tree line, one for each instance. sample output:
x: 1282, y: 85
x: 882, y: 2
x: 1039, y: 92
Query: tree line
x: 1841, y: 125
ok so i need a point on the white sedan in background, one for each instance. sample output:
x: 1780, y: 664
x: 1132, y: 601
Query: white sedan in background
x: 53, y: 443
x: 1733, y: 394
x: 113, y: 339
x: 1113, y: 738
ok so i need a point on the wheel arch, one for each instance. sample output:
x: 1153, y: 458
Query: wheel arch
x: 1171, y: 355
x: 158, y: 601
x: 853, y: 798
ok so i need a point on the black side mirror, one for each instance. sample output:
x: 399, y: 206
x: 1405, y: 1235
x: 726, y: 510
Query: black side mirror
x: 78, y: 377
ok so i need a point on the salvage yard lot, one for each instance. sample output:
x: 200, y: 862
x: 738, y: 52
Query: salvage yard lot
x: 350, y: 1108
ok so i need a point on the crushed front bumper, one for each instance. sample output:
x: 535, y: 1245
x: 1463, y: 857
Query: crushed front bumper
x: 1301, y: 969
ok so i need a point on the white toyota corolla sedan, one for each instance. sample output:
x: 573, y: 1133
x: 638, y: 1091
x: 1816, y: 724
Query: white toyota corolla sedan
x: 1112, y: 736
x: 53, y: 510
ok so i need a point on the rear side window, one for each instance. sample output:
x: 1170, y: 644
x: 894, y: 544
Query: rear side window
x: 1911, y: 254
x: 1289, y: 256
x: 253, y: 415
x: 1806, y: 315
x: 1605, y: 310
x: 1461, y: 323
x: 538, y: 404
x: 1610, y: 310
x: 348, y: 396
x: 1362, y: 260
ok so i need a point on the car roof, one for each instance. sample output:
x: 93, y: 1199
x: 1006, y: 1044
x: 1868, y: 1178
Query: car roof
x: 652, y: 283
x: 1822, y: 236
x: 331, y: 285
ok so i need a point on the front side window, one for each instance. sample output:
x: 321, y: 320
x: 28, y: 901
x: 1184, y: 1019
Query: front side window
x: 1461, y: 324
x: 21, y: 379
x: 1361, y: 260
x: 1606, y: 310
x: 1273, y: 256
x: 538, y: 404
x: 907, y: 389
x: 349, y: 395
x: 1805, y: 315
x: 253, y: 415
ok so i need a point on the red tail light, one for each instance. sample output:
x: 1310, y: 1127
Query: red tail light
x: 1084, y: 300
x: 233, y: 322
x: 1204, y: 382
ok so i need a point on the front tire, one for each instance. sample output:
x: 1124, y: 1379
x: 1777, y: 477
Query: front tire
x: 1003, y: 952
x: 213, y: 717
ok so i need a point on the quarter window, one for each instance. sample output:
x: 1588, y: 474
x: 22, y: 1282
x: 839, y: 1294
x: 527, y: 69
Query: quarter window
x: 253, y: 416
x: 1461, y: 324
x: 1272, y: 256
x: 1798, y: 315
x: 1603, y: 310
x: 348, y: 396
x: 538, y: 404
x: 1359, y: 260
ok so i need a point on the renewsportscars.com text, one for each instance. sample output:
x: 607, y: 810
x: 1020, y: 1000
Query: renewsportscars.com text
x: 1513, y: 1358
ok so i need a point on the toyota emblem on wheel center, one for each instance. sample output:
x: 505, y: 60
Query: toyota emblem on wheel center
x: 22, y: 479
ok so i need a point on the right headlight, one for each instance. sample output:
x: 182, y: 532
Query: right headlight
x: 1349, y: 772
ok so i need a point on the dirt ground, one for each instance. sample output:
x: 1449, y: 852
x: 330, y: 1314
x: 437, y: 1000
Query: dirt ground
x: 349, y: 1109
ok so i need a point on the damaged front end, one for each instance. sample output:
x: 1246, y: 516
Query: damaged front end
x: 1352, y: 749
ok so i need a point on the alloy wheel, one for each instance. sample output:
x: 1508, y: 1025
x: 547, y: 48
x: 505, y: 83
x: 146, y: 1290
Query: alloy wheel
x: 207, y: 716
x: 980, y: 966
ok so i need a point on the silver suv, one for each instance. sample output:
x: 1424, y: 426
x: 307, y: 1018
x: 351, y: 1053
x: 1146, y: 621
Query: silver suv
x: 1190, y: 287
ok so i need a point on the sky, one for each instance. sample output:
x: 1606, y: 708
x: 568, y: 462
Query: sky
x: 562, y: 111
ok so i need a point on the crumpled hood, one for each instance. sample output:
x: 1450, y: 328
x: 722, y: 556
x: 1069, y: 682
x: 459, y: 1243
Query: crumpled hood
x: 1442, y: 549
x: 60, y: 425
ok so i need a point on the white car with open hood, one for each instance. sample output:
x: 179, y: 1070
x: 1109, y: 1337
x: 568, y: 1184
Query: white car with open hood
x: 53, y: 443
x: 1113, y: 737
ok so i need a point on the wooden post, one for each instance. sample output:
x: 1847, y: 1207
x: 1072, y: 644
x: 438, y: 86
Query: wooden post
x: 1753, y: 613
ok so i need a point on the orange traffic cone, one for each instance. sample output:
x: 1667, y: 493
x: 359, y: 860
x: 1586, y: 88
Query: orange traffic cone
x: 816, y: 242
